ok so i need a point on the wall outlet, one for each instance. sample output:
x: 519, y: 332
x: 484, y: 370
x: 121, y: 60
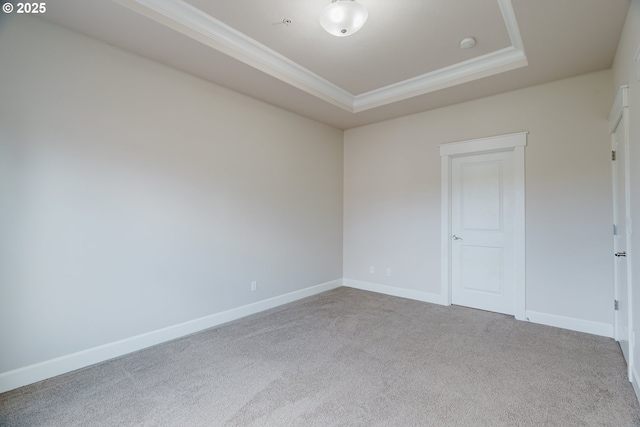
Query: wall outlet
x: 254, y: 286
x: 372, y: 270
x: 388, y: 272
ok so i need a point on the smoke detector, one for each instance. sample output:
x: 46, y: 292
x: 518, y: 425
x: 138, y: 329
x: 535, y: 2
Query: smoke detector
x: 467, y: 42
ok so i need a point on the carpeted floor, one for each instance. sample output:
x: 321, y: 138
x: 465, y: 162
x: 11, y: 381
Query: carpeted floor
x: 347, y: 357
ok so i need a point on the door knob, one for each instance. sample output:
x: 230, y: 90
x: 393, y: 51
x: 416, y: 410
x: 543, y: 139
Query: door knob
x: 620, y: 254
x: 456, y: 237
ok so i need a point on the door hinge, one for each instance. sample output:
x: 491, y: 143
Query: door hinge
x: 615, y: 230
x: 613, y: 155
x: 615, y: 304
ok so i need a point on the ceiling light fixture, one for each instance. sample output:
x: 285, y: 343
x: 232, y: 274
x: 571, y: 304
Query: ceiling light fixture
x: 343, y: 17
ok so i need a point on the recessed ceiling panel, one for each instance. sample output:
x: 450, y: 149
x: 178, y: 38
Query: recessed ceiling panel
x: 401, y: 39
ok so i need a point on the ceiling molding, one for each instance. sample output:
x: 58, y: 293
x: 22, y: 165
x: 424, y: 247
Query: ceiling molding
x: 509, y: 17
x: 482, y: 66
x: 476, y: 68
x: 192, y: 22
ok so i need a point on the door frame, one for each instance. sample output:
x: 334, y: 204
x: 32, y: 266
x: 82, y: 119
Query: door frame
x: 515, y: 142
x: 619, y: 116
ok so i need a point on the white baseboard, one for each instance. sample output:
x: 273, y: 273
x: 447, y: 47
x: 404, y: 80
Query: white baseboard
x: 635, y: 382
x: 396, y: 292
x: 51, y: 368
x: 579, y: 325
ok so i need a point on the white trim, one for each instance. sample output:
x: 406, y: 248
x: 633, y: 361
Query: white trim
x: 636, y: 58
x: 490, y: 143
x: 510, y: 21
x: 573, y: 324
x: 497, y: 62
x: 614, y: 197
x: 515, y: 142
x: 621, y: 102
x: 192, y: 22
x: 445, y: 228
x: 635, y: 382
x: 519, y: 230
x: 51, y: 368
x: 619, y: 116
x: 396, y: 292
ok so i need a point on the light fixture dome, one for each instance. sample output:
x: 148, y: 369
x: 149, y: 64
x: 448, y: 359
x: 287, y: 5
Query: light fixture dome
x: 343, y: 17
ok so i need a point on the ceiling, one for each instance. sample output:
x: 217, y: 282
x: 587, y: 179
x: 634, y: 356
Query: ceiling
x: 406, y: 59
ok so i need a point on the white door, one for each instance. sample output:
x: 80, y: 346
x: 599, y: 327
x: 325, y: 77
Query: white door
x: 620, y: 238
x: 482, y: 226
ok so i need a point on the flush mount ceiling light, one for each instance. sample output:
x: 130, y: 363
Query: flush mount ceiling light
x: 343, y: 17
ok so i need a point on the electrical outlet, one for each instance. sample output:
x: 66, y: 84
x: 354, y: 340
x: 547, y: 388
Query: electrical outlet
x: 389, y: 272
x: 372, y: 270
x: 254, y: 286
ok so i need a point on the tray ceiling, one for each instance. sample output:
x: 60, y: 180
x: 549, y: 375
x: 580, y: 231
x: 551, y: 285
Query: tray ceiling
x: 404, y: 60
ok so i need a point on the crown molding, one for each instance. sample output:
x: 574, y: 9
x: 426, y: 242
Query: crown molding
x: 186, y: 19
x: 509, y: 17
x: 192, y: 22
x: 497, y: 62
x: 482, y: 66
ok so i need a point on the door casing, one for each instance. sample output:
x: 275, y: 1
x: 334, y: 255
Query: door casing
x: 515, y: 142
x: 619, y: 116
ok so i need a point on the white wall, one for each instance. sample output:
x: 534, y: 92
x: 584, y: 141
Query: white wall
x: 392, y: 197
x: 626, y: 71
x: 135, y: 197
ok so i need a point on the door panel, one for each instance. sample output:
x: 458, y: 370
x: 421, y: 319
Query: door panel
x: 482, y: 208
x: 481, y: 268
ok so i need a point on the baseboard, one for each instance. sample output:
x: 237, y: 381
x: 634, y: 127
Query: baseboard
x: 635, y: 382
x: 396, y: 292
x: 579, y: 325
x: 40, y: 371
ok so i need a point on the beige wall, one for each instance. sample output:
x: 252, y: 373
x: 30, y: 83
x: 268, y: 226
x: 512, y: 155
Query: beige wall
x: 626, y: 71
x: 392, y: 194
x: 135, y: 197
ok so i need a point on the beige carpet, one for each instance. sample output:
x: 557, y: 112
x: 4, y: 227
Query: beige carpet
x: 347, y: 357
